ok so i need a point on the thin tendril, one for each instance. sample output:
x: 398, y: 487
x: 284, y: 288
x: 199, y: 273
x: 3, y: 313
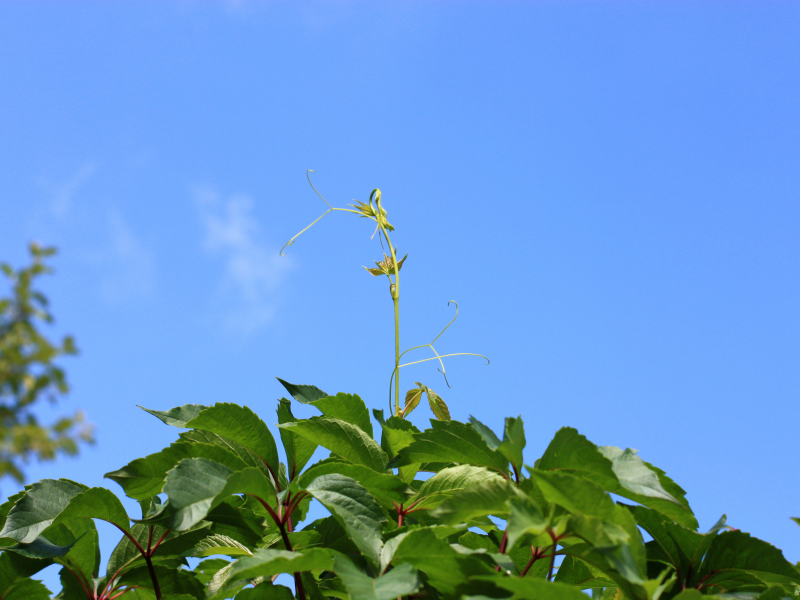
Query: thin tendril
x: 436, y: 357
x: 330, y: 208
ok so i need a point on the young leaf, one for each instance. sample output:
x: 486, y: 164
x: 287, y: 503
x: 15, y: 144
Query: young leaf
x: 215, y: 545
x: 357, y: 509
x: 413, y: 396
x: 436, y: 403
x: 346, y: 407
x: 343, y: 438
x: 449, y: 480
x: 298, y: 449
x: 398, y: 582
x: 305, y: 394
x: 38, y: 508
x: 178, y: 416
x: 241, y: 425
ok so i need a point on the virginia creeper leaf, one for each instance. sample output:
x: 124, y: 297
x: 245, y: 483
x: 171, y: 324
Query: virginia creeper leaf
x: 38, y: 508
x: 96, y: 503
x: 346, y: 407
x: 398, y: 582
x: 298, y: 449
x: 343, y: 438
x: 241, y: 425
x: 359, y: 512
x: 178, y: 416
x: 305, y: 394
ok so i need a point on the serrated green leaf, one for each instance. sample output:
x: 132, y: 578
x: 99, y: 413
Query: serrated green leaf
x: 266, y: 591
x: 534, y: 589
x: 27, y: 589
x: 573, y: 453
x: 178, y: 416
x: 15, y: 568
x: 39, y: 548
x: 342, y: 438
x: 38, y: 508
x: 346, y: 407
x: 355, y: 507
x: 144, y: 477
x: 298, y: 449
x: 451, y: 479
x: 736, y: 550
x: 400, y: 581
x: 381, y: 485
x: 305, y: 394
x: 446, y: 570
x: 487, y: 498
x: 171, y: 581
x: 266, y: 563
x: 250, y: 458
x: 215, y: 545
x: 196, y: 485
x: 397, y: 434
x: 96, y: 503
x: 524, y: 518
x: 451, y: 442
x: 241, y: 425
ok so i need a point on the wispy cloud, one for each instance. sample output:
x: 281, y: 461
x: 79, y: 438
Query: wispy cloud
x: 133, y: 272
x: 64, y: 192
x: 253, y: 270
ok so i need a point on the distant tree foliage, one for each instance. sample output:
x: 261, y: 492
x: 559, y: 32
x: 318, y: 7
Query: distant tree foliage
x: 28, y: 373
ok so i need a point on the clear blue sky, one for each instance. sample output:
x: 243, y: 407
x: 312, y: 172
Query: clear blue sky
x: 610, y: 190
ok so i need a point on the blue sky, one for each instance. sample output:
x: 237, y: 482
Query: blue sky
x: 608, y: 189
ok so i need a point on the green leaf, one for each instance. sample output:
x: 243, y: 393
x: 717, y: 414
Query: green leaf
x: 451, y: 442
x: 305, y: 394
x: 96, y: 503
x: 513, y: 439
x: 413, y: 396
x: 171, y: 581
x: 27, y: 589
x: 735, y: 550
x: 397, y: 434
x: 241, y: 425
x: 525, y: 518
x: 196, y: 485
x: 143, y: 478
x: 39, y: 548
x: 355, y: 507
x: 15, y: 568
x: 215, y: 545
x: 346, y: 407
x: 487, y: 498
x: 438, y: 406
x: 342, y: 438
x: 446, y: 570
x: 298, y: 449
x: 266, y: 563
x: 38, y: 508
x: 250, y: 458
x: 534, y: 589
x: 626, y: 475
x: 178, y: 416
x: 266, y: 591
x: 451, y: 479
x: 400, y: 581
x: 381, y: 485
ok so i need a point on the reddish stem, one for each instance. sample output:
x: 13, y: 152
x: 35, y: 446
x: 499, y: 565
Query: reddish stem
x: 81, y: 580
x: 516, y: 473
x: 148, y: 562
x: 158, y: 543
x: 555, y: 538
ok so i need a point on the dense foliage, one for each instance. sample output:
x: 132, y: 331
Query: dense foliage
x: 486, y: 524
x: 29, y: 372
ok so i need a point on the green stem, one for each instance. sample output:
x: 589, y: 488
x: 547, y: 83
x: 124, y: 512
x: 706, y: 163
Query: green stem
x: 396, y: 347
